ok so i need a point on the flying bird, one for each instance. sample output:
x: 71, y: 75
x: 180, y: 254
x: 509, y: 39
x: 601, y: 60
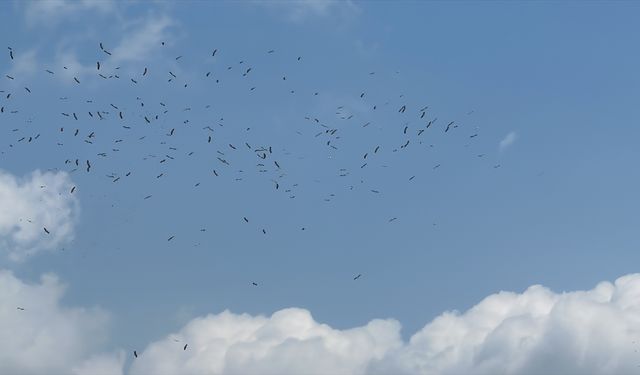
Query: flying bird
x: 448, y: 126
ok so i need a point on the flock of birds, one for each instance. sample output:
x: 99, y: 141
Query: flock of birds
x: 91, y: 131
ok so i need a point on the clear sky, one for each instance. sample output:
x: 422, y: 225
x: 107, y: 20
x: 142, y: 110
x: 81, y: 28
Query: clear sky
x: 535, y: 182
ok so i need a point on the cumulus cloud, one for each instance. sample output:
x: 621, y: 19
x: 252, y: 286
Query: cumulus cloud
x: 30, y: 204
x: 290, y: 341
x: 48, y: 338
x: 534, y: 332
x: 508, y: 140
x: 537, y: 331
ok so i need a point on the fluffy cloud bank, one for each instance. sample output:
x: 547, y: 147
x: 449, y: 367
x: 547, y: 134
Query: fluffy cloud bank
x: 30, y: 204
x: 288, y: 342
x: 535, y: 332
x: 47, y: 338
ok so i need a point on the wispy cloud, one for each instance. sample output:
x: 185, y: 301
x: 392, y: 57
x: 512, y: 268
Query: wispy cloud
x: 24, y: 64
x: 301, y: 10
x: 138, y: 43
x: 508, y: 140
x: 51, y: 12
x: 136, y: 38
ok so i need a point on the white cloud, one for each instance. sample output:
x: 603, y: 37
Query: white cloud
x: 101, y: 364
x: 30, y: 204
x: 289, y: 341
x: 47, y: 338
x: 508, y: 140
x: 535, y: 332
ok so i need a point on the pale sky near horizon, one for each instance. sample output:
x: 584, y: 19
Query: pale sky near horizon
x: 534, y: 182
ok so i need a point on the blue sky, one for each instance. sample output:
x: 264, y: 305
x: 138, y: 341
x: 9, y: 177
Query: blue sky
x: 548, y: 88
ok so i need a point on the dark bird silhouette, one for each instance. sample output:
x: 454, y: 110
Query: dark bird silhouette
x: 357, y: 277
x: 46, y: 231
x: 185, y: 347
x: 135, y: 354
x: 448, y: 126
